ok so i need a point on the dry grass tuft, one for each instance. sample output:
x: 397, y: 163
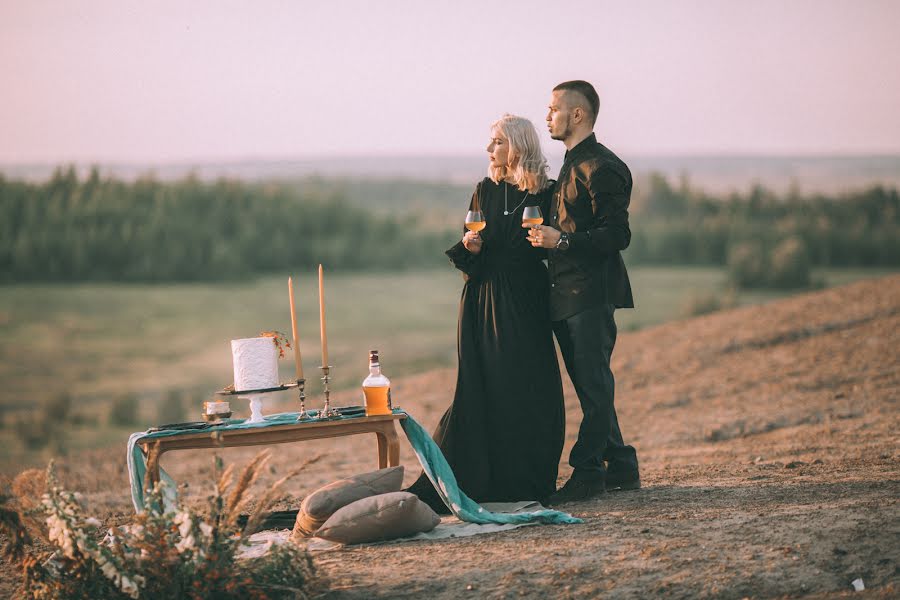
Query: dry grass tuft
x: 248, y: 477
x: 265, y: 503
x: 28, y: 487
x: 224, y: 480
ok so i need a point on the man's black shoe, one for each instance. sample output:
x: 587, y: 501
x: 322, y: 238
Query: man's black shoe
x: 628, y: 480
x: 577, y: 489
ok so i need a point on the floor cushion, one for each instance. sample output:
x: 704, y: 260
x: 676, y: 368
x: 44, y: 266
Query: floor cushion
x: 381, y: 517
x: 318, y: 506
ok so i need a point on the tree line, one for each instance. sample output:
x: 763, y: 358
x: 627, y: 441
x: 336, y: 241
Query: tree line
x: 683, y: 225
x: 104, y: 229
x: 97, y: 228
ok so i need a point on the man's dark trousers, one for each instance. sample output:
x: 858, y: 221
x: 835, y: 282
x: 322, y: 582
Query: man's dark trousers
x: 586, y: 341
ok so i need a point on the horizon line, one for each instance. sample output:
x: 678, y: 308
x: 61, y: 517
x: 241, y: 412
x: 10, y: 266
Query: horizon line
x: 181, y: 162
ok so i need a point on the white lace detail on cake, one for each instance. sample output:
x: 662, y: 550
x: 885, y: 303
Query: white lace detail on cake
x: 255, y: 363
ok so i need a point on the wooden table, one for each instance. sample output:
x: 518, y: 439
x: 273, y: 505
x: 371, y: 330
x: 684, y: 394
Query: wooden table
x: 382, y: 426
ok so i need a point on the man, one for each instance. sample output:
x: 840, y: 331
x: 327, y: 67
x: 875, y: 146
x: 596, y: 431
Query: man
x: 587, y: 227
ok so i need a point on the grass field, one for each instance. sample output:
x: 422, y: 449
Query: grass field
x: 98, y: 342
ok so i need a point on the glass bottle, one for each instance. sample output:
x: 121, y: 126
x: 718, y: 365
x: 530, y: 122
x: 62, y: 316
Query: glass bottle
x: 376, y: 388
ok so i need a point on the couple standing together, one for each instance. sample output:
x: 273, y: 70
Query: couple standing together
x: 503, y: 435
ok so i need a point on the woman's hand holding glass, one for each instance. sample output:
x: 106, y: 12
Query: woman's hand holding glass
x: 474, y: 223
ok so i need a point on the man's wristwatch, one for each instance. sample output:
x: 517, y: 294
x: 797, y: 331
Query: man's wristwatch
x: 563, y: 242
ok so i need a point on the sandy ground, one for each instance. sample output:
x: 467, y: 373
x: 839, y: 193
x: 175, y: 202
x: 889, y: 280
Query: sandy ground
x: 768, y: 441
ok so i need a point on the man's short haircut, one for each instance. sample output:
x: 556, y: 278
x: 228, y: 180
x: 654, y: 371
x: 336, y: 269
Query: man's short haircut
x: 587, y: 91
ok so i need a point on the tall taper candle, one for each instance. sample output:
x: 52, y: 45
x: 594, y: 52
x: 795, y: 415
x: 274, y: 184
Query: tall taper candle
x: 322, y: 319
x: 297, y: 362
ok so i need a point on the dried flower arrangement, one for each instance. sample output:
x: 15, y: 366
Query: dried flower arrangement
x: 281, y: 341
x: 163, y: 553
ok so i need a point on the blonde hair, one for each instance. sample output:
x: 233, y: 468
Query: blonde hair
x: 530, y: 171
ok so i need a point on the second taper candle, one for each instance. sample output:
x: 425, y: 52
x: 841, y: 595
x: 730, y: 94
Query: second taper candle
x: 322, y: 319
x: 298, y: 363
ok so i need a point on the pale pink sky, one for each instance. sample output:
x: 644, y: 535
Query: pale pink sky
x: 121, y: 80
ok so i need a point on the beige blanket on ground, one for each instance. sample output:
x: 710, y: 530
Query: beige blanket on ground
x: 449, y: 527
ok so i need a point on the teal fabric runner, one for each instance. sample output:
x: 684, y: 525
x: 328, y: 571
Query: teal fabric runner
x: 428, y: 453
x: 444, y: 481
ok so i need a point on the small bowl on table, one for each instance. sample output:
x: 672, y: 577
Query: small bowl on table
x: 216, y: 417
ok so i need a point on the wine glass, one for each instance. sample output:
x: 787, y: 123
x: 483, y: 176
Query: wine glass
x: 532, y: 216
x: 475, y: 220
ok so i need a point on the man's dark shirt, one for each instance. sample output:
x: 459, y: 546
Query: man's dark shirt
x: 590, y: 202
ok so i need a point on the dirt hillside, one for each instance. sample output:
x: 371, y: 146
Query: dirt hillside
x: 768, y: 441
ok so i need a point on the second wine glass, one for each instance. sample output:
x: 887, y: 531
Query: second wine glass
x: 532, y: 216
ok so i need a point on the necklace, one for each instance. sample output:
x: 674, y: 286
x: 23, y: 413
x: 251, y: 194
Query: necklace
x: 506, y: 210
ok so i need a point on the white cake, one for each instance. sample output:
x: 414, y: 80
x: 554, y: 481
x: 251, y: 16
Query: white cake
x: 255, y: 363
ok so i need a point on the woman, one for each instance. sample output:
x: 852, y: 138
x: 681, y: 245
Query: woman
x: 503, y: 434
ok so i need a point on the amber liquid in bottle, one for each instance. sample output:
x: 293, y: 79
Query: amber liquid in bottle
x: 376, y: 388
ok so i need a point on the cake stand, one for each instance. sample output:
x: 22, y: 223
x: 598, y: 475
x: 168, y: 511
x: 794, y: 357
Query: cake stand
x: 255, y: 398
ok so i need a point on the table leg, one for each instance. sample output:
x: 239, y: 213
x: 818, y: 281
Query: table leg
x: 154, y: 475
x: 152, y: 461
x: 382, y: 449
x: 393, y: 450
x: 388, y: 446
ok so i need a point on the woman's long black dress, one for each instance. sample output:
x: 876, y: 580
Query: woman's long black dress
x: 503, y: 434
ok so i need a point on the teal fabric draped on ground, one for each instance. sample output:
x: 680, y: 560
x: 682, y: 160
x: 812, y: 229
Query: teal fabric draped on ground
x: 462, y: 506
x: 428, y: 453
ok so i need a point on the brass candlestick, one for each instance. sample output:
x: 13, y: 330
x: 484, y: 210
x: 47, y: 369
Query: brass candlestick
x: 302, y: 415
x: 327, y: 411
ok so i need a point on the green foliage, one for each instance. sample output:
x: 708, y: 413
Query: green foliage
x: 171, y: 408
x: 175, y: 553
x: 110, y: 230
x: 104, y: 229
x: 46, y: 426
x: 124, y: 410
x: 707, y: 301
x: 685, y: 226
x: 747, y: 265
x: 788, y: 266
